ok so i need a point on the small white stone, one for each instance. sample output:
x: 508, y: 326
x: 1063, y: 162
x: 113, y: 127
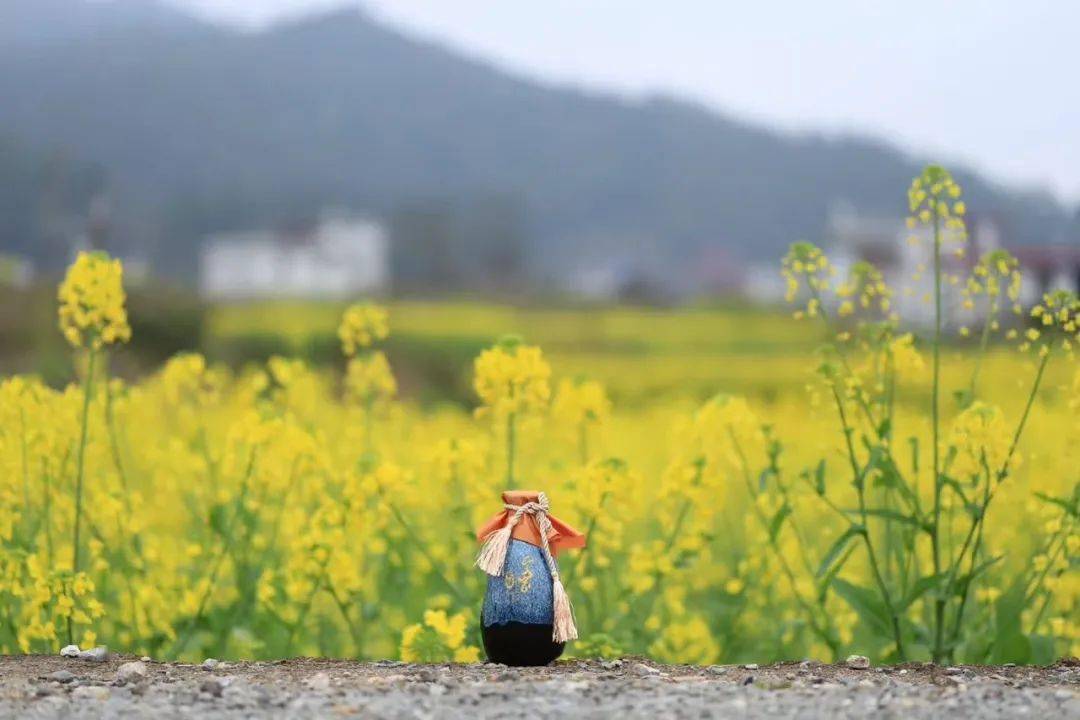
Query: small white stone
x: 145, y: 658
x: 209, y: 664
x: 645, y: 670
x: 858, y: 662
x: 98, y: 654
x: 131, y: 672
x: 90, y: 692
x: 70, y: 651
x: 318, y: 681
x: 750, y: 666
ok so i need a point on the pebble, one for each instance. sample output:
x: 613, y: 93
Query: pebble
x: 145, y: 658
x: 750, y: 666
x: 90, y: 692
x: 858, y: 662
x: 319, y: 681
x: 717, y: 669
x: 386, y: 679
x: 953, y: 670
x: 70, y: 651
x: 98, y: 654
x: 62, y: 676
x: 209, y: 664
x: 645, y: 670
x: 215, y: 686
x: 131, y: 672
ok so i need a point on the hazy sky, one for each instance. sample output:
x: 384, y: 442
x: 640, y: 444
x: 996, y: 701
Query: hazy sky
x: 991, y: 82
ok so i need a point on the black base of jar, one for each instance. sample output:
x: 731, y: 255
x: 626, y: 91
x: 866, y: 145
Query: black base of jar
x: 521, y: 644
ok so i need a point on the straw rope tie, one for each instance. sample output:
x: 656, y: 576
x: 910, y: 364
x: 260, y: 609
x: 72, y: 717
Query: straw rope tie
x: 492, y: 560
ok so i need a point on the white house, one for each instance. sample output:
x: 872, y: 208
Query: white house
x: 908, y: 267
x: 338, y: 258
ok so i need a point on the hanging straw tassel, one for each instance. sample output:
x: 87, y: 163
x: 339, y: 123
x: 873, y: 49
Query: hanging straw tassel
x: 492, y: 557
x: 565, y: 629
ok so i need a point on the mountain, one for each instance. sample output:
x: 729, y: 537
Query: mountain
x: 200, y: 129
x: 42, y: 23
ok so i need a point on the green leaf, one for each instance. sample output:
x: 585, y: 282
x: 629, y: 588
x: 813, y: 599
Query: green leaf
x: 964, y: 581
x: 922, y: 586
x: 837, y: 547
x: 828, y: 577
x: 1071, y: 506
x: 956, y: 487
x: 890, y: 514
x: 977, y: 649
x: 914, y: 442
x: 1010, y: 643
x: 866, y: 603
x: 218, y: 519
x: 1012, y: 647
x: 884, y: 428
x: 1042, y: 649
x: 778, y: 521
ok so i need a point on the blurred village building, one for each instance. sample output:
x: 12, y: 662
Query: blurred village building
x: 337, y: 257
x: 1049, y: 267
x: 907, y: 267
x: 906, y: 260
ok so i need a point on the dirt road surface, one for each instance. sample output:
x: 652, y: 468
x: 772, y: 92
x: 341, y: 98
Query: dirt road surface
x: 126, y: 687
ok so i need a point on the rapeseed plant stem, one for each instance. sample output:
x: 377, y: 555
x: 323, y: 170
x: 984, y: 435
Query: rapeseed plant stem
x: 1052, y: 557
x: 860, y: 489
x: 223, y: 550
x: 80, y: 472
x: 410, y: 532
x: 511, y: 448
x: 984, y: 340
x: 824, y: 633
x: 355, y: 632
x: 305, y: 608
x: 935, y: 423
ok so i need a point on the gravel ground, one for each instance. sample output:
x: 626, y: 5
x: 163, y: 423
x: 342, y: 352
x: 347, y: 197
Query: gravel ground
x: 48, y: 687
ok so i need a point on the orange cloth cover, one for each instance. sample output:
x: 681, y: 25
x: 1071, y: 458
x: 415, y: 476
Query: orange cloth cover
x: 562, y: 537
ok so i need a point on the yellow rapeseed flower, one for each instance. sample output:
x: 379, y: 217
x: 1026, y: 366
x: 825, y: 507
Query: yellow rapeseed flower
x: 511, y: 377
x: 92, y: 298
x: 361, y: 326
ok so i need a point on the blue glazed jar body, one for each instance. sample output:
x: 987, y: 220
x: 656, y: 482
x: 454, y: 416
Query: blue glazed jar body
x: 518, y: 610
